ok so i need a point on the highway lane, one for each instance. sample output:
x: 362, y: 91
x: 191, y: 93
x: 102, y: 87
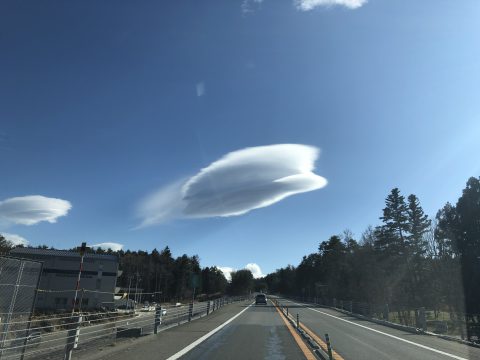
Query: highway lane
x: 359, y: 339
x: 259, y: 333
x: 236, y: 331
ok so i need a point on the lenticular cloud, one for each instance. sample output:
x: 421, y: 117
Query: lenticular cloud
x: 237, y: 183
x: 30, y: 210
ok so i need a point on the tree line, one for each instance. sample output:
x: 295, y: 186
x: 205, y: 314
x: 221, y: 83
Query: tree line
x: 158, y: 276
x: 408, y: 260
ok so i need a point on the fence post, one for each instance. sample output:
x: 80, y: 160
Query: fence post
x: 287, y: 311
x: 158, y: 319
x: 351, y: 306
x: 298, y: 322
x: 190, y: 311
x: 208, y: 307
x: 421, y: 319
x: 329, y: 347
x: 334, y: 302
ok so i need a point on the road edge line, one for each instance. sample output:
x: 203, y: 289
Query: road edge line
x: 197, y: 342
x: 386, y: 334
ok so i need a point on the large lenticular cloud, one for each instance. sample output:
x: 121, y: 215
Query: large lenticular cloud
x: 30, y: 210
x: 239, y: 182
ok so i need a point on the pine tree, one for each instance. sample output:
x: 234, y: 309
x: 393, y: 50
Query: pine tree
x: 467, y: 242
x: 419, y: 224
x: 392, y: 234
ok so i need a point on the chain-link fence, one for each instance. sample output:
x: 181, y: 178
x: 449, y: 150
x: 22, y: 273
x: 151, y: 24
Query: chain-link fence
x: 83, y: 333
x: 18, y: 284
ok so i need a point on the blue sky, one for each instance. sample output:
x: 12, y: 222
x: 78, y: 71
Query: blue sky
x: 104, y: 103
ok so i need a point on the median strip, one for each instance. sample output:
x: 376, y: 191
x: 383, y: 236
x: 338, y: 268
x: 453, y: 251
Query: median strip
x: 304, y: 348
x: 319, y: 341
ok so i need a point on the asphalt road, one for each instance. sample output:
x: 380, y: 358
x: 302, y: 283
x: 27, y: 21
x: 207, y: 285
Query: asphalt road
x: 245, y: 331
x: 259, y: 333
x: 357, y: 339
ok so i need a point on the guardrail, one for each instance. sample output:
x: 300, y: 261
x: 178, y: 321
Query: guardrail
x: 419, y: 320
x: 84, y: 330
x: 322, y: 349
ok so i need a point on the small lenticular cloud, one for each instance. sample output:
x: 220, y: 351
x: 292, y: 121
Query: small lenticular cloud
x: 307, y: 5
x: 108, y: 245
x: 254, y: 269
x: 239, y: 182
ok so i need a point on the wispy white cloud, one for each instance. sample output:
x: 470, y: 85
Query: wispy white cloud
x: 239, y: 182
x: 249, y: 6
x: 200, y: 87
x: 15, y: 239
x: 307, y: 5
x: 30, y: 210
x: 254, y: 269
x: 108, y: 245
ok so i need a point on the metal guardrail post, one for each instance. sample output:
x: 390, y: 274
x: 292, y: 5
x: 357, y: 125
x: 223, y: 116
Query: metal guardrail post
x: 421, y: 320
x: 287, y: 311
x: 158, y: 319
x: 329, y: 347
x: 190, y: 311
x: 298, y: 321
x: 208, y: 307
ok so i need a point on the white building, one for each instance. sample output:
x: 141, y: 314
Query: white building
x: 59, y: 278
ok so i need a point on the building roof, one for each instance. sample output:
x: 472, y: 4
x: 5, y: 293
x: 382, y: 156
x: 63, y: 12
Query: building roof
x: 19, y: 251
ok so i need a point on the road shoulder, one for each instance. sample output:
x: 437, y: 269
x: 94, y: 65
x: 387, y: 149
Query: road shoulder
x: 169, y: 341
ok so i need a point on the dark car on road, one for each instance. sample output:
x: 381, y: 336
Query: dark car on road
x: 261, y: 299
x: 33, y: 339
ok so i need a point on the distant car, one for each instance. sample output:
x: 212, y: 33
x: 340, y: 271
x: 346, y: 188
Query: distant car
x: 261, y: 299
x: 33, y: 339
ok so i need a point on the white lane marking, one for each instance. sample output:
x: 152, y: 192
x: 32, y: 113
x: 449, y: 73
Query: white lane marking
x: 386, y: 334
x: 206, y: 336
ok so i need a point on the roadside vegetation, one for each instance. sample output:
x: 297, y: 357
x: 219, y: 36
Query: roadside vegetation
x: 408, y: 261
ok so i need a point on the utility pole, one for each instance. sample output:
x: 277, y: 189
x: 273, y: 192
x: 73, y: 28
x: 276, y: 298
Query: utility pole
x: 128, y: 293
x: 82, y: 249
x: 136, y: 289
x: 74, y: 328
